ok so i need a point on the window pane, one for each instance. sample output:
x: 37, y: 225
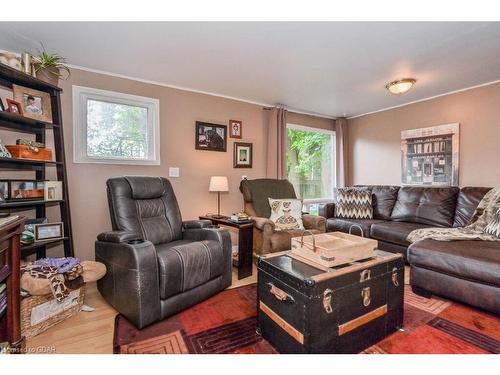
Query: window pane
x: 311, y: 163
x: 116, y: 130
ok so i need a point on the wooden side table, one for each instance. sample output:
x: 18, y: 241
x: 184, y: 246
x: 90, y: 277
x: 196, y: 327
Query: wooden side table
x: 245, y: 243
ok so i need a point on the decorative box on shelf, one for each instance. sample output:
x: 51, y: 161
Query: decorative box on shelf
x: 27, y: 152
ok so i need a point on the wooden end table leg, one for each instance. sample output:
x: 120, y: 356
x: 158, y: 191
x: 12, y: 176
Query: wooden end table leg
x: 245, y: 252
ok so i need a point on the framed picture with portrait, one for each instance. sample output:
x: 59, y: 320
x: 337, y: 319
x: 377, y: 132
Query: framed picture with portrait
x: 243, y: 155
x: 35, y: 104
x: 210, y: 137
x: 14, y: 107
x: 235, y: 128
x: 26, y: 190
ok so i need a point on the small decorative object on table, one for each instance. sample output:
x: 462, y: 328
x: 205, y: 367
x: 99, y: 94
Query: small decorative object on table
x: 304, y: 307
x: 239, y: 217
x: 30, y: 143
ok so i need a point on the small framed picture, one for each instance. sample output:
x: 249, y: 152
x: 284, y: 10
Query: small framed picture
x: 4, y: 190
x: 210, y: 137
x: 49, y: 231
x: 53, y: 190
x: 14, y: 107
x: 235, y: 128
x: 26, y: 189
x: 35, y: 104
x: 243, y: 154
x: 2, y: 108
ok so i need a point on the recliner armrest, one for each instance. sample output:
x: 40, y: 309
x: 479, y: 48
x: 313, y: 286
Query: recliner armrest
x: 327, y: 210
x: 263, y: 223
x: 196, y: 224
x: 118, y: 236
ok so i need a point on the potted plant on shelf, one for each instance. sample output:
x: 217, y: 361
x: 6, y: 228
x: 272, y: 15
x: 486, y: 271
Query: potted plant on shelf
x: 50, y: 67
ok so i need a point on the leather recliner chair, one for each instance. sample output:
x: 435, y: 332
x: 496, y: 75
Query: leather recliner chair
x: 158, y: 265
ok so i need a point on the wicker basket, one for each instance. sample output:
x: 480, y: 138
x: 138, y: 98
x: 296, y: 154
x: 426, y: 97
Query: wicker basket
x: 39, y: 313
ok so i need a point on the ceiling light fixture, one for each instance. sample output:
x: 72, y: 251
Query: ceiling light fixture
x: 400, y: 86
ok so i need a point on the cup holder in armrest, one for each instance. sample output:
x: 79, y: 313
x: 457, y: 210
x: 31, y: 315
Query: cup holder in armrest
x: 135, y: 242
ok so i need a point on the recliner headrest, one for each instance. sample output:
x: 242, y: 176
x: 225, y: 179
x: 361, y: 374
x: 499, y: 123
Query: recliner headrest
x: 146, y: 187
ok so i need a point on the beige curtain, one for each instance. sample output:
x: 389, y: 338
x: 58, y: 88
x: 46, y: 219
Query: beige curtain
x: 276, y: 143
x: 341, y: 135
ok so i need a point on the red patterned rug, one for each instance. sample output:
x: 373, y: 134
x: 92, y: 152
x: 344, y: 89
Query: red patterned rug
x: 225, y: 323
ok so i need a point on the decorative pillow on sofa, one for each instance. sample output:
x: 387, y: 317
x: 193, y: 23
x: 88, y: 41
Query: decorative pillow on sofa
x: 353, y: 204
x: 493, y: 228
x: 286, y: 213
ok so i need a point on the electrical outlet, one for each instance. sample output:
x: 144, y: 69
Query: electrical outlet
x: 173, y: 172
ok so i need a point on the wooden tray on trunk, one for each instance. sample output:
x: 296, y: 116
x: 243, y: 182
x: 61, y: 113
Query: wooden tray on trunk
x: 333, y: 248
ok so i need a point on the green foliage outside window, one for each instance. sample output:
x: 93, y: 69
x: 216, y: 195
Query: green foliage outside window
x: 116, y: 130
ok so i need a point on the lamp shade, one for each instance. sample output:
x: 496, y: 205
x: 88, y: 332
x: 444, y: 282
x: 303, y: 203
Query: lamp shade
x: 218, y: 183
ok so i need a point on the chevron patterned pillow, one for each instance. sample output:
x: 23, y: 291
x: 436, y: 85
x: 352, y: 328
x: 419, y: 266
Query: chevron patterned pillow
x: 354, y: 204
x: 493, y: 227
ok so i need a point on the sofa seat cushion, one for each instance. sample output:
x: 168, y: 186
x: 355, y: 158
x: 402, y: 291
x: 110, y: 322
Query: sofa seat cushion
x: 184, y: 265
x: 394, y: 231
x: 472, y: 260
x: 343, y: 225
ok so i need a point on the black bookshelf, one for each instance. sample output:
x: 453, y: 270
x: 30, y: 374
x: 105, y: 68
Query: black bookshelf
x: 17, y: 123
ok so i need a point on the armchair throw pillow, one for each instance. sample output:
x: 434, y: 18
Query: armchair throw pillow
x: 286, y: 213
x: 353, y: 204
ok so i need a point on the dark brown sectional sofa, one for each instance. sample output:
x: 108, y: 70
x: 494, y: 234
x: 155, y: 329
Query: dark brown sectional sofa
x: 467, y: 271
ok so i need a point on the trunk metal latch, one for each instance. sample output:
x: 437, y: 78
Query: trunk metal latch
x: 366, y: 295
x: 395, y: 276
x: 327, y: 301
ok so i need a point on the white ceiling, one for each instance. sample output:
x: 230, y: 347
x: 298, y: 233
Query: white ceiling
x: 329, y: 68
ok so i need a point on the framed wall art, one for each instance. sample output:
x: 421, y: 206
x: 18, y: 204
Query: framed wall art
x: 243, y: 155
x: 235, y: 129
x: 210, y: 137
x: 430, y: 156
x: 35, y: 104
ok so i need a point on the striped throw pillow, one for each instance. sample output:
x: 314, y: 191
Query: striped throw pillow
x: 354, y: 204
x: 493, y: 227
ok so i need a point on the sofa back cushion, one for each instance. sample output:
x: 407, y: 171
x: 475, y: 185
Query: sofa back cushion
x: 467, y: 201
x: 256, y: 194
x: 426, y: 205
x: 383, y: 200
x: 145, y: 205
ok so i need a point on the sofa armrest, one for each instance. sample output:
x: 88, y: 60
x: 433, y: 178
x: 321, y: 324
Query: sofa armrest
x: 314, y: 222
x: 224, y: 238
x: 193, y: 224
x: 131, y: 283
x: 327, y: 210
x: 118, y: 236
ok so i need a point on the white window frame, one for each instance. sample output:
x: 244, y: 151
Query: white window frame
x: 80, y: 97
x: 308, y: 202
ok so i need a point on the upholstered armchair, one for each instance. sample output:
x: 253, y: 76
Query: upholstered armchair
x: 158, y: 265
x: 266, y: 239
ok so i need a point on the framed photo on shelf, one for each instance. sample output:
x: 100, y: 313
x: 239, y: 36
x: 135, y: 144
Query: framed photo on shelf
x: 2, y: 108
x: 242, y: 155
x: 48, y: 231
x: 53, y: 190
x: 14, y: 107
x: 26, y: 190
x: 35, y: 104
x: 210, y: 137
x: 235, y: 129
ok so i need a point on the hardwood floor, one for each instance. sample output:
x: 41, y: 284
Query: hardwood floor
x: 91, y: 332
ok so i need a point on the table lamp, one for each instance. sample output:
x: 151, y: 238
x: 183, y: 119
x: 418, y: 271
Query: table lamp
x: 218, y: 184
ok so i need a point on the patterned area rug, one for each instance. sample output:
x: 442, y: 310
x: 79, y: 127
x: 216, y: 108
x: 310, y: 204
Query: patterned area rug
x: 225, y: 323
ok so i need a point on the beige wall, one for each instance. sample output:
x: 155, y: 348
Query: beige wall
x: 374, y: 140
